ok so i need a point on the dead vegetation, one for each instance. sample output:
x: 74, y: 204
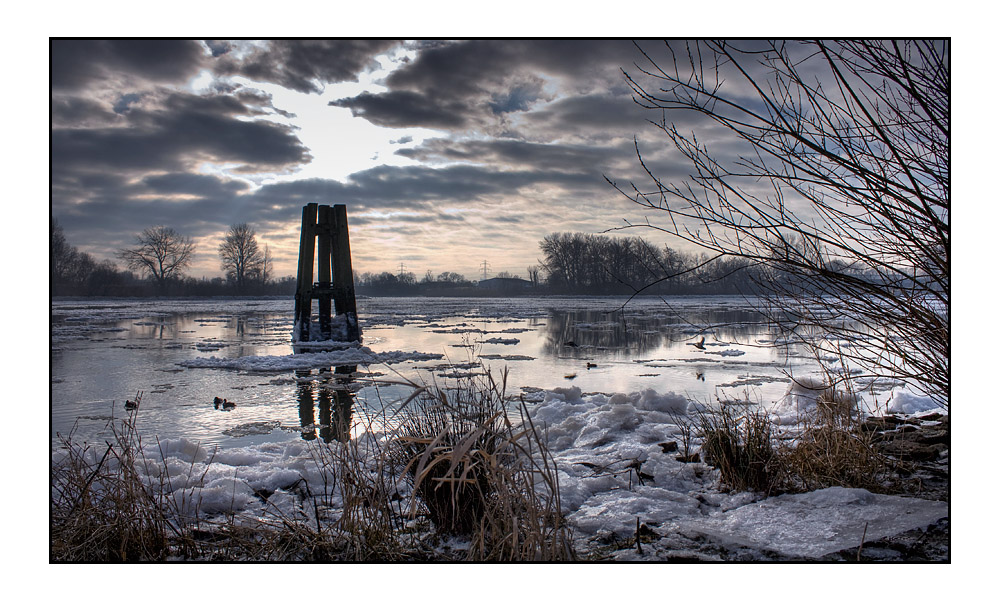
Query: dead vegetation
x: 459, y: 473
x: 100, y: 509
x: 480, y: 475
x: 831, y: 447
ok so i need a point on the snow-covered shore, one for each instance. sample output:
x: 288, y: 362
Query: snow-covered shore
x: 614, y: 476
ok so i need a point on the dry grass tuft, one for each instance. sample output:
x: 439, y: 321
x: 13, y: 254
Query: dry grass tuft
x: 480, y: 475
x: 100, y: 509
x: 739, y: 444
x: 834, y: 450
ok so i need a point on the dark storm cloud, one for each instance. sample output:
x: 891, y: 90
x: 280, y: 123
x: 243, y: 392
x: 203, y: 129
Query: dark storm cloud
x: 78, y: 63
x: 470, y: 67
x: 184, y: 128
x: 408, y: 188
x: 477, y: 83
x: 516, y: 153
x: 406, y: 109
x: 218, y: 47
x: 588, y: 115
x: 193, y: 184
x: 304, y: 65
x: 72, y: 111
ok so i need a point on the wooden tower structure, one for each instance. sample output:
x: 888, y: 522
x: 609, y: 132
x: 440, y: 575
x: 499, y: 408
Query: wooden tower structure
x: 325, y: 242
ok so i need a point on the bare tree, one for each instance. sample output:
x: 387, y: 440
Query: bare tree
x: 160, y: 252
x: 534, y: 274
x: 266, y: 266
x: 840, y: 194
x: 242, y: 259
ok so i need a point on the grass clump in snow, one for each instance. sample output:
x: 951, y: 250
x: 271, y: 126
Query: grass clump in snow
x: 739, y: 444
x: 481, y: 476
x: 833, y: 449
x: 828, y: 447
x: 458, y: 473
x: 100, y: 509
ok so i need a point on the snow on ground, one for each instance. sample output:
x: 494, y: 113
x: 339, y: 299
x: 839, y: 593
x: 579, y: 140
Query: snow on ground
x: 611, y: 470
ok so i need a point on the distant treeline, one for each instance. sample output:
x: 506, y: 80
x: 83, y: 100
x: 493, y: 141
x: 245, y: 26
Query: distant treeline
x: 76, y: 273
x: 571, y: 263
x: 583, y: 263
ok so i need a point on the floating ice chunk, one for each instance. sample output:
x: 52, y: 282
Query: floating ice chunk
x: 350, y: 356
x: 729, y: 353
x: 670, y: 402
x: 502, y: 340
x: 571, y: 395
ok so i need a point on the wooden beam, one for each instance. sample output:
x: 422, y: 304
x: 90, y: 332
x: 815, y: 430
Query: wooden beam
x: 323, y: 245
x: 303, y: 293
x: 343, y: 275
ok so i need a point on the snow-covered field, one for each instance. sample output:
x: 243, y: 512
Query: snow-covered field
x: 604, y: 423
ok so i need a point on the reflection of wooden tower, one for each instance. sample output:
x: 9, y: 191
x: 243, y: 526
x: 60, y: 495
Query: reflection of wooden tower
x: 324, y: 233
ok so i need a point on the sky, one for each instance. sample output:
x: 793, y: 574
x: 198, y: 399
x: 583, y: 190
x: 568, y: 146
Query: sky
x: 448, y: 154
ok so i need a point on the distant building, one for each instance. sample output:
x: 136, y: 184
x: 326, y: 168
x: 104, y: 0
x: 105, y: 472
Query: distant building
x: 504, y: 284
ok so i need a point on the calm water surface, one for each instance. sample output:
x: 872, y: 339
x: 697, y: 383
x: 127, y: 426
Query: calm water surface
x: 103, y: 352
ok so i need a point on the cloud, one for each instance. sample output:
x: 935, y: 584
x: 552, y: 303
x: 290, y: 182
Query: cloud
x: 80, y: 112
x: 597, y: 116
x: 181, y: 131
x: 192, y: 184
x: 77, y: 64
x: 477, y: 84
x: 519, y: 154
x: 407, y: 109
x: 301, y: 65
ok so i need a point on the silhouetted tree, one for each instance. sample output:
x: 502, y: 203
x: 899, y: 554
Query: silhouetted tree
x: 851, y: 235
x: 161, y: 253
x: 266, y: 266
x: 242, y: 259
x: 534, y: 275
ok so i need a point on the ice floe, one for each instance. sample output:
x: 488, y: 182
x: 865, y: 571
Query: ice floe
x: 350, y: 356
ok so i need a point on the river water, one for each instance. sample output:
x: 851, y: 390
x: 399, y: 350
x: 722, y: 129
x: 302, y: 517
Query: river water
x: 104, y: 352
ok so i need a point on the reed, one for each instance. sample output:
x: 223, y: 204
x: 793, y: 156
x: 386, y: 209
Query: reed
x: 480, y: 475
x: 100, y: 508
x: 457, y: 466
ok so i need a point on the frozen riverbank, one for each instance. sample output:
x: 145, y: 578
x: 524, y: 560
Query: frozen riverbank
x: 619, y: 480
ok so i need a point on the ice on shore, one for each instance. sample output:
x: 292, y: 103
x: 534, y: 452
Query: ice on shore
x: 351, y: 354
x: 818, y: 523
x: 802, y: 401
x: 612, y: 471
x: 911, y: 403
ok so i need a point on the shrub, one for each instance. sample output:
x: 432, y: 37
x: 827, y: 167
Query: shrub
x: 739, y: 445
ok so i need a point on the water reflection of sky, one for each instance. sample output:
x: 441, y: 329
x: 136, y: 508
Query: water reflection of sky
x: 99, y: 361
